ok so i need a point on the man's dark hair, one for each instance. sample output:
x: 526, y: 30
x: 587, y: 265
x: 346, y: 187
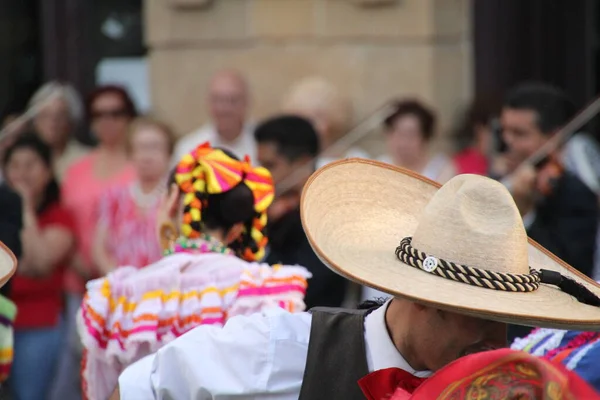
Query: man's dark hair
x: 294, y: 137
x: 551, y: 105
x: 426, y: 117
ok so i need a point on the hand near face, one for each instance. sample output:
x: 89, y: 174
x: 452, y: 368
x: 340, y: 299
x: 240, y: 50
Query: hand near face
x: 25, y: 192
x: 522, y: 187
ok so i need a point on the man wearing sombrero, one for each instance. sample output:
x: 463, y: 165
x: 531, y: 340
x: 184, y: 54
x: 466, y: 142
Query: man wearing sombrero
x: 457, y: 261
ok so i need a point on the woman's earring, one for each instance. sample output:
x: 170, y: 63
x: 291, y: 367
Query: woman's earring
x: 167, y: 234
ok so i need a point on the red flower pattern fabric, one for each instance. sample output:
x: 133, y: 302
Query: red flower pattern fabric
x: 500, y: 375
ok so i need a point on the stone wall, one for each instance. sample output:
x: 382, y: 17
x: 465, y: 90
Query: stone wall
x: 372, y: 49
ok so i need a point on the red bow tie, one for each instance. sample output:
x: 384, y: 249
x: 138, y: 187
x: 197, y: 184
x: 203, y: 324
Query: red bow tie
x: 380, y: 385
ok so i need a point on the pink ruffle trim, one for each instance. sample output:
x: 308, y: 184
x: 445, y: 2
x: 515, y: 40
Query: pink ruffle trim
x: 131, y: 313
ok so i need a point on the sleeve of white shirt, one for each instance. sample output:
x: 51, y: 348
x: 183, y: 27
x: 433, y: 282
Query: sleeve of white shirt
x: 256, y: 355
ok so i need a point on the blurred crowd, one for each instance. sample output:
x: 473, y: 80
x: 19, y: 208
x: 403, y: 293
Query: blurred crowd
x: 72, y: 213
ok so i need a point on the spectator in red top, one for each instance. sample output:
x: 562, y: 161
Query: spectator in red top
x: 474, y: 137
x: 36, y: 289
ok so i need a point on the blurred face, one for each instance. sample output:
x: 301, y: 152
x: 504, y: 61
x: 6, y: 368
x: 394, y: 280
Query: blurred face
x: 279, y: 166
x: 110, y: 119
x: 440, y: 337
x: 26, y: 171
x: 53, y: 123
x: 228, y: 105
x: 150, y: 153
x: 405, y: 141
x: 521, y: 134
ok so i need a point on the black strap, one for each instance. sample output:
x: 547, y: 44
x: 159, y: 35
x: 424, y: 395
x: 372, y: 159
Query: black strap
x: 569, y: 286
x: 336, y: 355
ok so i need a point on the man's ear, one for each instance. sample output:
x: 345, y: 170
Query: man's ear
x: 423, y: 308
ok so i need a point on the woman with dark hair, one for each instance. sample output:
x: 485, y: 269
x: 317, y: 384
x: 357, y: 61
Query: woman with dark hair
x: 209, y: 274
x: 110, y: 111
x: 409, y: 133
x: 47, y: 240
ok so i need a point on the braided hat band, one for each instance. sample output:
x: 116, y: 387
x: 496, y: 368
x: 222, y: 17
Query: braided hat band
x: 488, y: 279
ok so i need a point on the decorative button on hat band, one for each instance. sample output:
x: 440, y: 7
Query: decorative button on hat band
x: 430, y: 264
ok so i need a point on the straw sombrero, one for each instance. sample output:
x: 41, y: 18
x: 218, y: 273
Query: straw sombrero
x: 461, y: 247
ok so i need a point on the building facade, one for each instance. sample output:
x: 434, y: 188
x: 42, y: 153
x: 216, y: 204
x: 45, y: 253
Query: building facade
x: 374, y: 50
x: 442, y: 51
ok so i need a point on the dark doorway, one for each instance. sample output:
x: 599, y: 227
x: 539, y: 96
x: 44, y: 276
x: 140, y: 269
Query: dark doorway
x: 79, y: 34
x: 555, y: 41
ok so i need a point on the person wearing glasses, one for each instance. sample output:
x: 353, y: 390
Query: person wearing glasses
x: 111, y: 112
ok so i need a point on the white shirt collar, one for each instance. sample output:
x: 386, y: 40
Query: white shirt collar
x: 241, y: 146
x: 247, y: 133
x: 381, y: 352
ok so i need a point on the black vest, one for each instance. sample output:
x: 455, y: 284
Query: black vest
x: 337, y: 356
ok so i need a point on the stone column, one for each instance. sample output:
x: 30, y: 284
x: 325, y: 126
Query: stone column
x: 373, y: 49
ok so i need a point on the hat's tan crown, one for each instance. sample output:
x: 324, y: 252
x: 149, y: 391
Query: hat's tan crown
x: 473, y: 220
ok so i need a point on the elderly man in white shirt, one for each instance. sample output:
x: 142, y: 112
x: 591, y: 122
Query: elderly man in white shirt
x: 228, y: 102
x: 463, y: 269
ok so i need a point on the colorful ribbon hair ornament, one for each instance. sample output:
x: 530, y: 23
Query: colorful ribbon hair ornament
x: 207, y: 171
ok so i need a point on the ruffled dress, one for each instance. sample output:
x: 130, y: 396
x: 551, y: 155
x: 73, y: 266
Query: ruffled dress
x: 577, y: 351
x: 131, y: 313
x: 8, y: 311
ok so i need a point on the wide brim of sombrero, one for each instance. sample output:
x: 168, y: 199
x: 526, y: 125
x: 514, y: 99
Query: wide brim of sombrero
x: 355, y: 212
